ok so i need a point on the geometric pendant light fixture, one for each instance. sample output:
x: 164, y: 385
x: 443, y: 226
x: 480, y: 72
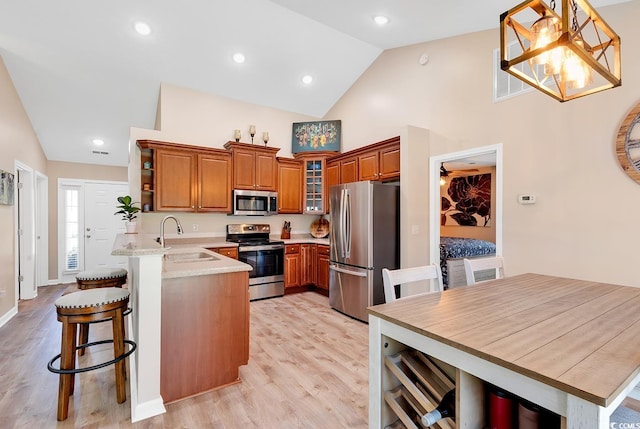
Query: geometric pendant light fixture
x: 567, y: 55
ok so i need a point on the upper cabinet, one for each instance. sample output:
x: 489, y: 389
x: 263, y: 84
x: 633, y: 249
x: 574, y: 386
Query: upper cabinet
x: 289, y: 186
x: 379, y: 162
x: 314, y: 185
x: 175, y: 180
x: 213, y: 187
x: 254, y: 167
x: 184, y: 178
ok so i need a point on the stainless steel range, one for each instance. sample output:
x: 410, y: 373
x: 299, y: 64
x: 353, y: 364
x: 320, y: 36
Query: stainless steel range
x: 266, y: 257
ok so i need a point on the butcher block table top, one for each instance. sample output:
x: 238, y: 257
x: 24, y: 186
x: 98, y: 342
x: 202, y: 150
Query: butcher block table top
x: 579, y: 336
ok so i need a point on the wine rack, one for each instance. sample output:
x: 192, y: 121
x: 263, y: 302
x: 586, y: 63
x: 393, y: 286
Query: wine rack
x: 423, y: 383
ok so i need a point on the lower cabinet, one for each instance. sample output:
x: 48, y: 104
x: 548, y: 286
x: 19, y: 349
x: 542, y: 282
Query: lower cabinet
x: 308, y: 264
x: 322, y: 279
x: 292, y: 265
x: 229, y: 252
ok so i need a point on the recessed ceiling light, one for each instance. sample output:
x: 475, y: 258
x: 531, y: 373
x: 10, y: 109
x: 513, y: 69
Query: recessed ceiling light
x: 381, y: 20
x: 238, y: 58
x: 307, y: 79
x: 142, y: 28
x: 98, y: 142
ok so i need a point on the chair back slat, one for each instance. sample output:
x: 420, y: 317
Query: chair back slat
x: 472, y: 266
x: 391, y: 278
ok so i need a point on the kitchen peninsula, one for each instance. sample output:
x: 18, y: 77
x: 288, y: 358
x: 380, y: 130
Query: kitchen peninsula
x: 181, y: 295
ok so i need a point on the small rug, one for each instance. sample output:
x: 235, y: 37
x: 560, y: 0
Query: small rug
x: 625, y: 418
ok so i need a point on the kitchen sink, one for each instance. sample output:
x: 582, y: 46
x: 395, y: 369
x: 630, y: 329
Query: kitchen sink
x: 189, y: 257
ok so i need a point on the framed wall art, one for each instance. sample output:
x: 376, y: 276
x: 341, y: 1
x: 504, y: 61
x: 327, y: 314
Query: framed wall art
x: 467, y: 201
x: 316, y: 136
x: 6, y: 188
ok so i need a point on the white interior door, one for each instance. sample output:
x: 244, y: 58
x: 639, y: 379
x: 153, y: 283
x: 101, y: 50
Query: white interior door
x: 42, y: 229
x: 101, y: 225
x: 26, y: 233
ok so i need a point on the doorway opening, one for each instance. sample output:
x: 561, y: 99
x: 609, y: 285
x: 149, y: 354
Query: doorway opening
x: 475, y: 159
x: 87, y: 226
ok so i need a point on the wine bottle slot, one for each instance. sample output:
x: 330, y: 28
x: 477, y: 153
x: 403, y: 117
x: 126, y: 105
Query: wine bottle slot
x: 446, y: 408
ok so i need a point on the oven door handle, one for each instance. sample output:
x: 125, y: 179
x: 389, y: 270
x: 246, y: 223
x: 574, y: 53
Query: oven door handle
x: 350, y: 272
x: 265, y: 247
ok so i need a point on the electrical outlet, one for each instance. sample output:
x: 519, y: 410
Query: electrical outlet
x: 3, y: 292
x: 195, y: 227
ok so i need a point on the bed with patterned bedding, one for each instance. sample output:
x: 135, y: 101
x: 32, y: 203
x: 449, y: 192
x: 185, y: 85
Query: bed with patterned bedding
x: 454, y: 250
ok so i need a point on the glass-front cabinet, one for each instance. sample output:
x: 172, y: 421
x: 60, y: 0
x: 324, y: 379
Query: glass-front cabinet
x: 314, y: 186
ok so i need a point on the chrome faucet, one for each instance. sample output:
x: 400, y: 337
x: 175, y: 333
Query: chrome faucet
x: 161, y: 238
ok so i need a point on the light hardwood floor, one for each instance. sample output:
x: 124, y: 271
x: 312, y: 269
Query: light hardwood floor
x: 308, y: 368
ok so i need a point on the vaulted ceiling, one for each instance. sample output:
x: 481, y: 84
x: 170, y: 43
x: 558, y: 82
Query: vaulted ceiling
x: 83, y: 72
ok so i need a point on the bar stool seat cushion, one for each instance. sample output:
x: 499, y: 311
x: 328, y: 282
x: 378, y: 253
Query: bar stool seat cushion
x: 102, y: 274
x: 92, y: 298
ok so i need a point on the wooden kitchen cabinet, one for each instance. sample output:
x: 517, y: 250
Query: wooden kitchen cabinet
x: 332, y: 177
x: 289, y: 185
x: 213, y: 187
x: 322, y: 279
x: 349, y: 170
x: 186, y: 178
x: 292, y: 266
x: 314, y: 185
x: 380, y: 163
x: 254, y: 167
x: 308, y: 263
x: 229, y: 252
x: 175, y: 180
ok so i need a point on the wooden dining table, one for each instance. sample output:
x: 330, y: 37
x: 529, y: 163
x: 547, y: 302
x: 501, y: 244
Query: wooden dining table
x: 570, y: 346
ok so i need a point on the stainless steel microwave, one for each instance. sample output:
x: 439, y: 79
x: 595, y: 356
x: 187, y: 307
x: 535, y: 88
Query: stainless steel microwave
x: 254, y: 203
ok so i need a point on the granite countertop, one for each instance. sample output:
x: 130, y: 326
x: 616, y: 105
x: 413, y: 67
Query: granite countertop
x: 192, y: 244
x: 146, y: 244
x: 215, y: 241
x: 312, y: 240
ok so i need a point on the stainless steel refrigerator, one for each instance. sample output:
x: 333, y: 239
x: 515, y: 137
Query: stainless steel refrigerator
x: 364, y: 239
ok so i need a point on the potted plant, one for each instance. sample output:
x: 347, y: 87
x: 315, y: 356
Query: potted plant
x: 128, y: 211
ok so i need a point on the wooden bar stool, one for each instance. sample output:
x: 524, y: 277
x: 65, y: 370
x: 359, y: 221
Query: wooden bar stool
x: 103, y: 277
x: 86, y: 306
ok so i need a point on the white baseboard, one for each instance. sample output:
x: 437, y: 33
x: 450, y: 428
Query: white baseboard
x: 8, y: 316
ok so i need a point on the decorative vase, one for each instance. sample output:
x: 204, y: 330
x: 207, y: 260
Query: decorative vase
x: 131, y: 227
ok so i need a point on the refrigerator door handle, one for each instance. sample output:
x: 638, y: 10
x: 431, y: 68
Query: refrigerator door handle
x: 341, y: 223
x: 350, y: 272
x: 347, y: 223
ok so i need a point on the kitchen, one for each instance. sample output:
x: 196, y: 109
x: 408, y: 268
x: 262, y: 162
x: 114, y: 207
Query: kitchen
x: 272, y: 268
x: 561, y: 188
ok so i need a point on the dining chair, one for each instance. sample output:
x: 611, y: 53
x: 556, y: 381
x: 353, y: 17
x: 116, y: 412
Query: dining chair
x: 475, y: 265
x: 391, y: 278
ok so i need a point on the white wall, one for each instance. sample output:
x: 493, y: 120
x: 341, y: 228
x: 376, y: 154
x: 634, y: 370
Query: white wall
x: 583, y: 224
